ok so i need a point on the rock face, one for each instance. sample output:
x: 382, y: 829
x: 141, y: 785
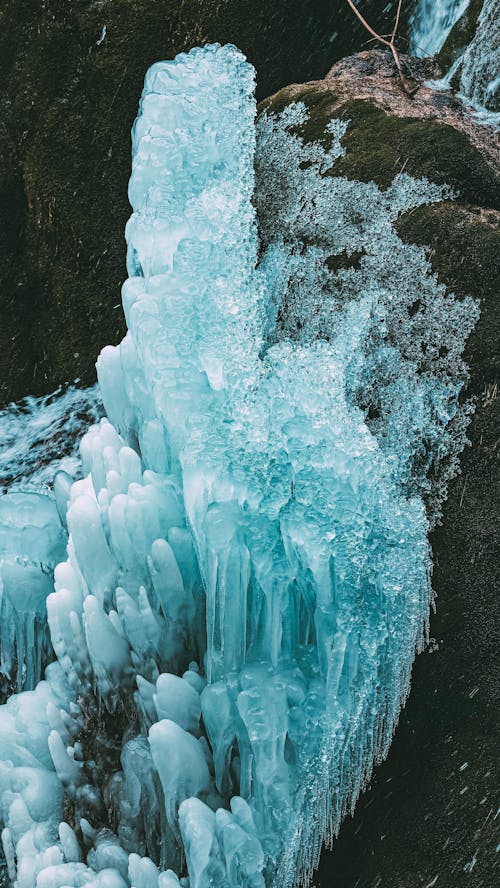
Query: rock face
x: 428, y: 815
x: 71, y: 71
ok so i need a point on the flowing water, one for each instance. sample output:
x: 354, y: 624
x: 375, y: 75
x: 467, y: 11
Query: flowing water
x: 432, y: 22
x: 39, y: 436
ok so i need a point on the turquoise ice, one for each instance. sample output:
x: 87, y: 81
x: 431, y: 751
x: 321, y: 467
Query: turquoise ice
x: 248, y: 572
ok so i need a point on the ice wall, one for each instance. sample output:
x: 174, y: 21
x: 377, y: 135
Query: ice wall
x: 247, y: 577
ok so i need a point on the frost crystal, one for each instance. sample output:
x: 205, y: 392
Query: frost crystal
x: 247, y: 577
x: 334, y: 244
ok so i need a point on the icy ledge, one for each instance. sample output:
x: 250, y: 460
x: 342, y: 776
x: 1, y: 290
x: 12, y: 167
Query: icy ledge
x: 247, y: 578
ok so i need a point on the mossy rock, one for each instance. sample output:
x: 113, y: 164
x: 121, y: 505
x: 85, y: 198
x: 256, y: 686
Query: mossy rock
x: 427, y: 818
x: 379, y: 145
x: 429, y: 811
x: 69, y: 99
x: 464, y: 245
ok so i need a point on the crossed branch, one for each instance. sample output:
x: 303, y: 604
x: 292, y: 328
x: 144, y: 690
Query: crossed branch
x: 408, y: 88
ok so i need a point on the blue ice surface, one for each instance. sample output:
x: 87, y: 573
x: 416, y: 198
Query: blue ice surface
x: 248, y: 572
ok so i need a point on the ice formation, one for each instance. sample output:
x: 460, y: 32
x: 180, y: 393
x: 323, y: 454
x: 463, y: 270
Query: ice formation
x: 247, y: 572
x: 39, y: 437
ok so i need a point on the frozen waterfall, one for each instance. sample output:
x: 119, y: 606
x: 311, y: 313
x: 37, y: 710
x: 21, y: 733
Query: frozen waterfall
x: 247, y: 571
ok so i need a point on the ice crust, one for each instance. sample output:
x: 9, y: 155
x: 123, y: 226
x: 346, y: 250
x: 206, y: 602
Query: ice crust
x: 248, y: 574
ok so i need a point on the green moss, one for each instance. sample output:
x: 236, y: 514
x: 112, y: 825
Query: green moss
x: 378, y: 146
x: 319, y: 107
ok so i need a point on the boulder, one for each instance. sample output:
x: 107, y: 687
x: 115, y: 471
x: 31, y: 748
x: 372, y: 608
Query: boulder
x: 428, y: 817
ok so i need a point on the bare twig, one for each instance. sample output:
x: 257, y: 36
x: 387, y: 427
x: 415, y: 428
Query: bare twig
x: 396, y: 23
x: 365, y: 23
x: 391, y: 44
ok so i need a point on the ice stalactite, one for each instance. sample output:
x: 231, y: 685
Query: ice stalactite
x: 247, y: 578
x: 32, y: 541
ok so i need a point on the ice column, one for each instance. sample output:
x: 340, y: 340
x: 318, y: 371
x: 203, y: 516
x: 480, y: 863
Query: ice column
x: 314, y: 566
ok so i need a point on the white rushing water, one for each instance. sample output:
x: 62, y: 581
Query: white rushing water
x: 476, y: 72
x: 480, y: 63
x: 39, y: 436
x: 432, y: 22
